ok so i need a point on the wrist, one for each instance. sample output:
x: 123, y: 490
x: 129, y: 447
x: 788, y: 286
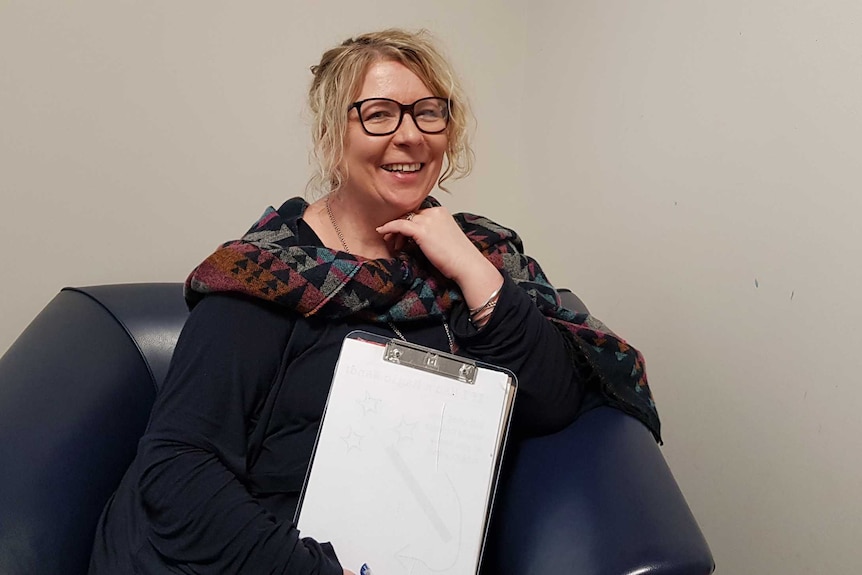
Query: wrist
x: 481, y: 313
x: 488, y: 304
x: 481, y: 281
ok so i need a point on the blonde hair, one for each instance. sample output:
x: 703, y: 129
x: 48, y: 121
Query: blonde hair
x: 338, y: 79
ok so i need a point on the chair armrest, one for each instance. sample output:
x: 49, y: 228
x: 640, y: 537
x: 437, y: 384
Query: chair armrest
x: 596, y: 498
x: 572, y: 302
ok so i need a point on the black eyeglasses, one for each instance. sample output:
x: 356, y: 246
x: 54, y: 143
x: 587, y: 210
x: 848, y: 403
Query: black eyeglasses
x: 382, y: 116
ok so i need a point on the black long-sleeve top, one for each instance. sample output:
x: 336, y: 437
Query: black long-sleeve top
x: 218, y: 473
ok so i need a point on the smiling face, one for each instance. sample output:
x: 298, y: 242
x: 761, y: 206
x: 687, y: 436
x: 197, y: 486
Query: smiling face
x: 392, y: 174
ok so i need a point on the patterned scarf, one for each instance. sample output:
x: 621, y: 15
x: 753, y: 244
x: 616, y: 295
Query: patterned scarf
x: 270, y: 264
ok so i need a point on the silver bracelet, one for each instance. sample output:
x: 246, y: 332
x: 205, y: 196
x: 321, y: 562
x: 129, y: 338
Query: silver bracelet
x: 489, y: 303
x: 482, y: 317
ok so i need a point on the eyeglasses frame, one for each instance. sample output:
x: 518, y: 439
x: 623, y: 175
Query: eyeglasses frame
x: 404, y: 108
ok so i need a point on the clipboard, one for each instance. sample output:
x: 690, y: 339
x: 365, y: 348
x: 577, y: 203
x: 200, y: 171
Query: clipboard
x: 407, y: 458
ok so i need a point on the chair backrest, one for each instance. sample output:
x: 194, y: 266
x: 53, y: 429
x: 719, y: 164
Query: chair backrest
x: 76, y: 390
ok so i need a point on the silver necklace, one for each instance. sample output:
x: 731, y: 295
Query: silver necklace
x: 397, y: 331
x: 452, y: 347
x: 335, y: 226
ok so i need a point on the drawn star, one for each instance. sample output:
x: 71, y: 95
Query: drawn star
x: 352, y: 439
x: 369, y: 404
x: 405, y: 430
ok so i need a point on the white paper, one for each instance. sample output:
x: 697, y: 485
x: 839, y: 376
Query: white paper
x: 404, y: 465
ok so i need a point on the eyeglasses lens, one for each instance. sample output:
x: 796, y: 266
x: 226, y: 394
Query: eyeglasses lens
x: 381, y: 117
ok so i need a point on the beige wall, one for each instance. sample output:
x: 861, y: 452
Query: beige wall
x: 709, y: 153
x: 690, y: 168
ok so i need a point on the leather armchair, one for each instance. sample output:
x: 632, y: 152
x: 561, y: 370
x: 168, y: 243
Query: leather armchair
x: 77, y: 386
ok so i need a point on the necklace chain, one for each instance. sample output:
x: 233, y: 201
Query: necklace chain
x: 452, y: 347
x: 397, y: 331
x: 335, y: 226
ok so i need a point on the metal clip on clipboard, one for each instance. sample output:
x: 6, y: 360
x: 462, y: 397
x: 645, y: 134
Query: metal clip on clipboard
x: 419, y: 357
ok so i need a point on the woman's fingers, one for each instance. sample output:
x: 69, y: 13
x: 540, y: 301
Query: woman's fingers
x: 395, y: 242
x: 449, y: 250
x: 439, y: 237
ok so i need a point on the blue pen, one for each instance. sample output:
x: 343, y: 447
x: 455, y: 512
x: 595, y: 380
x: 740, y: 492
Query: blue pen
x: 365, y: 570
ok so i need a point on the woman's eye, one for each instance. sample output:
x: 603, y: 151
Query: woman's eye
x: 378, y: 115
x: 429, y: 114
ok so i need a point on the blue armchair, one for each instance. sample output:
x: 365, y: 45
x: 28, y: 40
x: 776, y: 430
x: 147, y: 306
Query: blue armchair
x: 77, y: 386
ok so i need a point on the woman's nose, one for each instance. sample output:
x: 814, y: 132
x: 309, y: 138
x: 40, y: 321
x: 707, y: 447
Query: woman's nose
x: 408, y: 132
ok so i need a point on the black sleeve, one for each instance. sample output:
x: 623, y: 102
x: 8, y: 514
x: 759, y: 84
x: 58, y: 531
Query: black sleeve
x: 199, y: 513
x: 520, y: 338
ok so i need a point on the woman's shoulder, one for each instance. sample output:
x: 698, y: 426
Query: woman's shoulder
x: 235, y: 303
x: 233, y: 316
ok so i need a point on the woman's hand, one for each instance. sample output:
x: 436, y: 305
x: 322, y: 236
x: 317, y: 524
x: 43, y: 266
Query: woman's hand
x: 447, y: 248
x: 346, y: 572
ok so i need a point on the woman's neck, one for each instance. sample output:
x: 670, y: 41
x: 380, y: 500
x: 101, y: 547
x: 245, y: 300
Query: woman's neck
x: 345, y: 226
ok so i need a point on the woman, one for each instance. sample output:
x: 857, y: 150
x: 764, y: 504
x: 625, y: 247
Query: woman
x: 215, y: 483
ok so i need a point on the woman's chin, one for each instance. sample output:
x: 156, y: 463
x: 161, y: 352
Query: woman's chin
x: 403, y: 200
